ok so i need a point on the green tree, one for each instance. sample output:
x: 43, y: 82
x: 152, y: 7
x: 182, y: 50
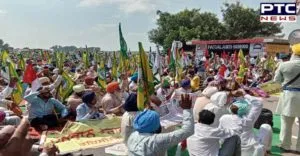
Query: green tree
x: 4, y: 46
x: 184, y: 26
x: 238, y: 23
x: 241, y: 22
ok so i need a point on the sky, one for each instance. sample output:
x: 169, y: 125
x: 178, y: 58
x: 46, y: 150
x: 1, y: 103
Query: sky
x: 44, y: 23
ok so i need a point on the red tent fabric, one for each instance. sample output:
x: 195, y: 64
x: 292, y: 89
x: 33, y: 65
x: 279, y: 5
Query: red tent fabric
x: 29, y: 74
x: 206, y: 53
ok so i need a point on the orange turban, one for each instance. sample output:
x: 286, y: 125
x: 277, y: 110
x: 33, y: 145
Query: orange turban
x: 112, y: 87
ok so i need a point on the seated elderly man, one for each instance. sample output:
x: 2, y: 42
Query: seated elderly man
x: 88, y: 109
x: 76, y: 98
x: 42, y: 109
x: 112, y: 100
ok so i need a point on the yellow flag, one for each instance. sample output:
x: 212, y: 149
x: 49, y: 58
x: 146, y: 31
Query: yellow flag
x: 241, y: 56
x: 18, y: 91
x: 101, y: 75
x: 145, y: 80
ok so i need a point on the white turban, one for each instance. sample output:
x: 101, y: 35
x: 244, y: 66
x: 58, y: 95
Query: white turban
x: 209, y: 91
x: 55, y: 71
x: 78, y: 88
x: 44, y: 80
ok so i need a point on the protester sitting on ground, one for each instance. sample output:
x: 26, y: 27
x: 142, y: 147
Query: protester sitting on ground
x: 206, y: 139
x: 88, y: 109
x: 148, y: 141
x: 9, y: 118
x: 91, y: 85
x: 195, y: 83
x: 112, y: 100
x: 202, y: 101
x: 128, y: 117
x: 42, y: 106
x: 218, y: 105
x: 76, y: 98
x: 245, y: 112
x: 164, y: 92
x: 184, y: 89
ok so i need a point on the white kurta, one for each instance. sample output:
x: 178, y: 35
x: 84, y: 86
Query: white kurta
x: 249, y: 141
x: 289, y: 104
x: 206, y: 139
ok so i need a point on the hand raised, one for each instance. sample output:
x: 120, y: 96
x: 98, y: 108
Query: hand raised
x: 186, y: 101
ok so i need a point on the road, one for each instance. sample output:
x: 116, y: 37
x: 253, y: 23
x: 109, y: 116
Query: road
x: 271, y: 103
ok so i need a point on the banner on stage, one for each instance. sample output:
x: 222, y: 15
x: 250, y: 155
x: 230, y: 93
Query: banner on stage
x: 271, y: 87
x: 77, y: 136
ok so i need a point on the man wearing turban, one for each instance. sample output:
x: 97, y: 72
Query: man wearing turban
x: 88, y: 109
x: 91, y: 85
x: 245, y: 111
x: 76, y: 98
x: 112, y: 100
x: 147, y: 139
x: 288, y: 74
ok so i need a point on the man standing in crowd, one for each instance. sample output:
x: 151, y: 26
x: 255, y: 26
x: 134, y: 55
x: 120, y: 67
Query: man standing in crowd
x: 288, y: 74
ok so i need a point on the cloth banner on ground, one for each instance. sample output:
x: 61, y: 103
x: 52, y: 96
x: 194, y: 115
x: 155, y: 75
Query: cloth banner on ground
x: 77, y: 136
x: 271, y: 87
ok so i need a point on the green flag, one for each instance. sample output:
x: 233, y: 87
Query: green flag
x: 66, y: 87
x: 123, y: 45
x: 102, y: 75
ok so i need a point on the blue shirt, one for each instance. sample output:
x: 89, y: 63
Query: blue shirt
x: 39, y: 108
x: 83, y: 113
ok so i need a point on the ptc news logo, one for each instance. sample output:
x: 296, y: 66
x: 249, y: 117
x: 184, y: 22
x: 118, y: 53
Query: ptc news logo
x: 279, y: 12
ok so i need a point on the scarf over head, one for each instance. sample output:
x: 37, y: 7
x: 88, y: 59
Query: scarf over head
x: 147, y: 121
